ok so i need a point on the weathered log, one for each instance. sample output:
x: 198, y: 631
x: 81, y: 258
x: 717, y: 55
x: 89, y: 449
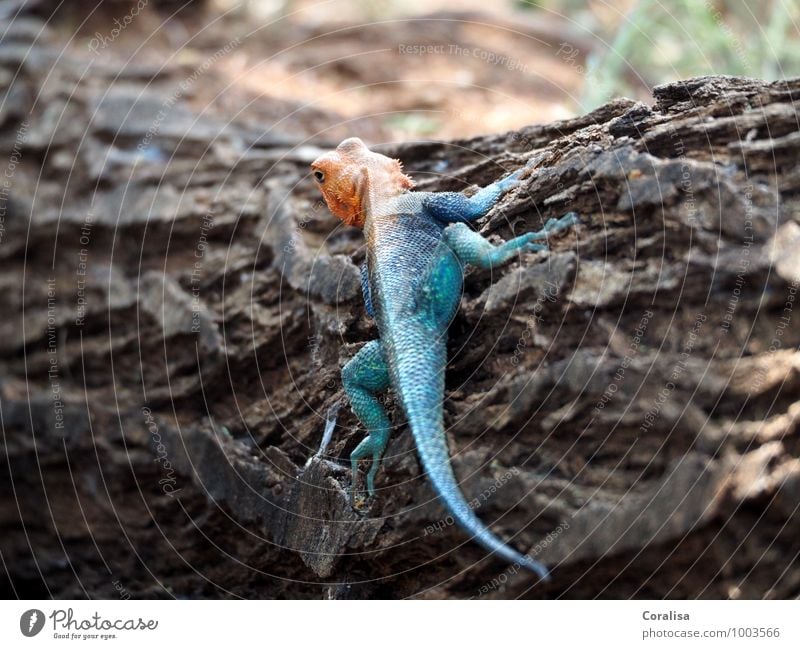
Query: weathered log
x: 624, y: 406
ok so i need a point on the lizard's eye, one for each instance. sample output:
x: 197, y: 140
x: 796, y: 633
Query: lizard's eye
x: 319, y: 176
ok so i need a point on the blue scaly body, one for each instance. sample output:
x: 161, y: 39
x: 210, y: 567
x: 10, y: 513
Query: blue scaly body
x: 418, y: 244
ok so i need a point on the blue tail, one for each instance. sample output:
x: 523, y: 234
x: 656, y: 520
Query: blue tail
x: 420, y: 386
x: 434, y: 455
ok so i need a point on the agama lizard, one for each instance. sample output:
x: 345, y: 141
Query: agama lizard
x: 418, y: 244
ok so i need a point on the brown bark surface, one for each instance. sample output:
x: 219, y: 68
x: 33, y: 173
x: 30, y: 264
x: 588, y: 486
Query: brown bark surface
x: 624, y: 406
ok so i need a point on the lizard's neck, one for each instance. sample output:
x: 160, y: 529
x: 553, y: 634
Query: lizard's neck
x: 378, y: 194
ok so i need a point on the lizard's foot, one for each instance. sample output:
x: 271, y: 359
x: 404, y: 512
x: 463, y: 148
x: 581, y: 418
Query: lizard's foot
x: 526, y: 242
x: 529, y: 245
x: 373, y: 445
x: 511, y: 180
x: 556, y: 225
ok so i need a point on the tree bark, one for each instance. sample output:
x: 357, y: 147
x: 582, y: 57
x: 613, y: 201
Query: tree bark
x: 623, y: 406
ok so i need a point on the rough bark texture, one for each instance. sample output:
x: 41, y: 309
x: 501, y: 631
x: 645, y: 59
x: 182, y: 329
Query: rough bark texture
x: 624, y: 406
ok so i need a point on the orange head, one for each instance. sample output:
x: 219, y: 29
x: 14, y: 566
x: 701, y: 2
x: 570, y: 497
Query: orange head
x: 347, y: 175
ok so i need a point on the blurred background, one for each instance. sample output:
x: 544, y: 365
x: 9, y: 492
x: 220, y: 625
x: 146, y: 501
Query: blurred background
x: 412, y: 69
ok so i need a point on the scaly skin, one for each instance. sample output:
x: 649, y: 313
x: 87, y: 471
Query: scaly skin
x: 417, y: 247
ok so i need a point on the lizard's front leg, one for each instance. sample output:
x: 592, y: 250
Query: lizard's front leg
x: 364, y: 377
x: 454, y: 207
x: 471, y: 248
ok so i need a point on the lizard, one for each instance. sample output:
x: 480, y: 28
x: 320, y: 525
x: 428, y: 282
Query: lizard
x: 417, y: 247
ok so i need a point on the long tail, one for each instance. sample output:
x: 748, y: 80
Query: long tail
x: 420, y: 385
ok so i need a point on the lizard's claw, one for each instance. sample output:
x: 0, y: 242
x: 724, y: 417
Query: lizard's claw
x: 372, y: 445
x: 566, y: 221
x: 513, y: 179
x: 554, y: 225
x: 530, y: 246
x: 357, y: 499
x: 529, y: 242
x: 510, y: 181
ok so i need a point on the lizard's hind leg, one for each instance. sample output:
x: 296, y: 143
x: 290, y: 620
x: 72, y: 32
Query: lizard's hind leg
x: 364, y: 377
